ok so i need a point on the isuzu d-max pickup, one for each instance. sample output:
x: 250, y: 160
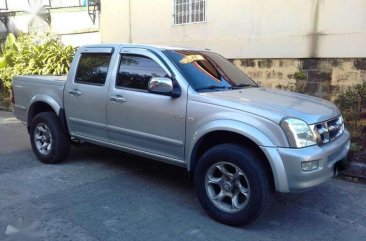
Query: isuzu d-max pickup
x: 191, y: 108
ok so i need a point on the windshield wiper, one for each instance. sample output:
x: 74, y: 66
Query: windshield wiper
x: 214, y: 87
x: 244, y: 85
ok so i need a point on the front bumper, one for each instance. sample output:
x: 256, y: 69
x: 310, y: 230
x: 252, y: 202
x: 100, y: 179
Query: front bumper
x: 286, y: 164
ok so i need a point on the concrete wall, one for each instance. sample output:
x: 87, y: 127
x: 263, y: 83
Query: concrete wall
x: 246, y: 28
x: 274, y: 41
x: 324, y: 78
x: 114, y: 21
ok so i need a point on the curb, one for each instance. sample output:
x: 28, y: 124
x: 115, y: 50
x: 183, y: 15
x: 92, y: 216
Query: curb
x: 356, y: 170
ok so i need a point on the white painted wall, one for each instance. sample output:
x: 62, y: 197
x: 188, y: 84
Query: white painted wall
x: 81, y: 39
x: 246, y: 28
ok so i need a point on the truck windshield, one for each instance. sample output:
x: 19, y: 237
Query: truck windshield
x: 208, y: 71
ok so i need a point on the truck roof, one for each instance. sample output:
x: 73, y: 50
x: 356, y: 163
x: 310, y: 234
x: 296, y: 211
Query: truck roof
x: 147, y: 46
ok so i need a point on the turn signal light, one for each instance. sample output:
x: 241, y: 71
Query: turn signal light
x: 309, y: 166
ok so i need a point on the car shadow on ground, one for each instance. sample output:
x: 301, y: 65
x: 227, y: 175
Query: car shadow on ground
x: 125, y: 161
x: 287, y: 209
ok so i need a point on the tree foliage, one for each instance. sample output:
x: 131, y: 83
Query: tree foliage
x: 33, y: 54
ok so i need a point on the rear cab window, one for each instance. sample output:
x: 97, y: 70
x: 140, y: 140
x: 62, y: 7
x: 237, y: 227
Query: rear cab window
x: 93, y: 68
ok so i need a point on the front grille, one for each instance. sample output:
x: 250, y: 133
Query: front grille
x: 328, y: 130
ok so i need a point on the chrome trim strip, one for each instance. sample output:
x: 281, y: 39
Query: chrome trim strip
x: 322, y: 130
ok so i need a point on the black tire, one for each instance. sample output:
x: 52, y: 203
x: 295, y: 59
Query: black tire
x: 238, y: 158
x: 59, y: 146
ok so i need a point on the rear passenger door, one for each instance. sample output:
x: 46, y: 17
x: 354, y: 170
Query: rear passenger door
x: 85, y: 94
x: 139, y: 120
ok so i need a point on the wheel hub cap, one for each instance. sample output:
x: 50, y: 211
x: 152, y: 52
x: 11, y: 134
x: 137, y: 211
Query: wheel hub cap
x: 227, y: 187
x: 43, y: 139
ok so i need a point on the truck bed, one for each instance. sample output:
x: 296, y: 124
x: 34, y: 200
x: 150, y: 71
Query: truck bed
x: 27, y: 89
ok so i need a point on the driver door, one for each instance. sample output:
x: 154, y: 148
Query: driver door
x: 141, y: 121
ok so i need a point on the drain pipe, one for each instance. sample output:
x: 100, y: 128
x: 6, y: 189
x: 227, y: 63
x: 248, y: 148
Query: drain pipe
x: 129, y: 22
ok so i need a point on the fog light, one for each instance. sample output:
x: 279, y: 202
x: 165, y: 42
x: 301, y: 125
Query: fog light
x: 309, y: 166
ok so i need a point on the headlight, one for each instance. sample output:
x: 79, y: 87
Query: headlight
x: 298, y: 133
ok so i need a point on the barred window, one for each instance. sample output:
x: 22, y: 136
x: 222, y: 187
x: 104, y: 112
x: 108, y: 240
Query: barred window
x: 189, y: 11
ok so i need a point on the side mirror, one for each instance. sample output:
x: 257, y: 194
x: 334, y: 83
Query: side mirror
x: 160, y: 85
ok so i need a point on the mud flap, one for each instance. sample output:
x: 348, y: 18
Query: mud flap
x: 340, y: 166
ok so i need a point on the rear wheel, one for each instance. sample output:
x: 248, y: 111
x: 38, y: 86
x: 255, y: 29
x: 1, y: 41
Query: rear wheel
x: 49, y: 143
x: 232, y: 184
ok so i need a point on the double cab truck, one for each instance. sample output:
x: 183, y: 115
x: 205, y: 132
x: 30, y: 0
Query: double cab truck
x: 192, y: 108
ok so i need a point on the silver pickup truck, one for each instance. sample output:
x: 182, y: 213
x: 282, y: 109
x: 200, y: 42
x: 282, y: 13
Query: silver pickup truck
x: 191, y: 108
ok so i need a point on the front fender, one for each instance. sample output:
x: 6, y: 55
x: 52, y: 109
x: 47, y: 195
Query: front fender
x: 234, y: 126
x: 250, y: 132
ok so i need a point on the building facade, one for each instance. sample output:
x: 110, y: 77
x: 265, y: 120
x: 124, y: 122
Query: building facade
x: 76, y: 21
x: 312, y: 46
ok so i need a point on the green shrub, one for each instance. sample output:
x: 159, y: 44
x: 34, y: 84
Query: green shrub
x: 352, y: 101
x: 300, y: 75
x: 32, y: 54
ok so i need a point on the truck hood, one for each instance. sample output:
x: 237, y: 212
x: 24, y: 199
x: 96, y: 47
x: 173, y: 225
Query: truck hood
x: 274, y: 104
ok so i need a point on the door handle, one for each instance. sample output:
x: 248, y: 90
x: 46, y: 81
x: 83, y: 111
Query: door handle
x: 117, y: 99
x: 75, y: 92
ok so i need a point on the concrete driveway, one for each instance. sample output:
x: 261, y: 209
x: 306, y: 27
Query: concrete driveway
x: 101, y: 194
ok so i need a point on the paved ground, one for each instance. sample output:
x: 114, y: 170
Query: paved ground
x: 100, y: 194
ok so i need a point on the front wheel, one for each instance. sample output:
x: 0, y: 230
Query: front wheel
x: 49, y: 143
x: 232, y: 184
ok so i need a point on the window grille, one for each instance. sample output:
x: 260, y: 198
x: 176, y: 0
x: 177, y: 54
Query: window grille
x: 3, y: 5
x: 189, y: 11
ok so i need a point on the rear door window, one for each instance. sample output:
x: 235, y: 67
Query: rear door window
x: 93, y: 68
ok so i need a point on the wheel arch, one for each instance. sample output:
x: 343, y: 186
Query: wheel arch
x: 44, y: 103
x: 238, y: 133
